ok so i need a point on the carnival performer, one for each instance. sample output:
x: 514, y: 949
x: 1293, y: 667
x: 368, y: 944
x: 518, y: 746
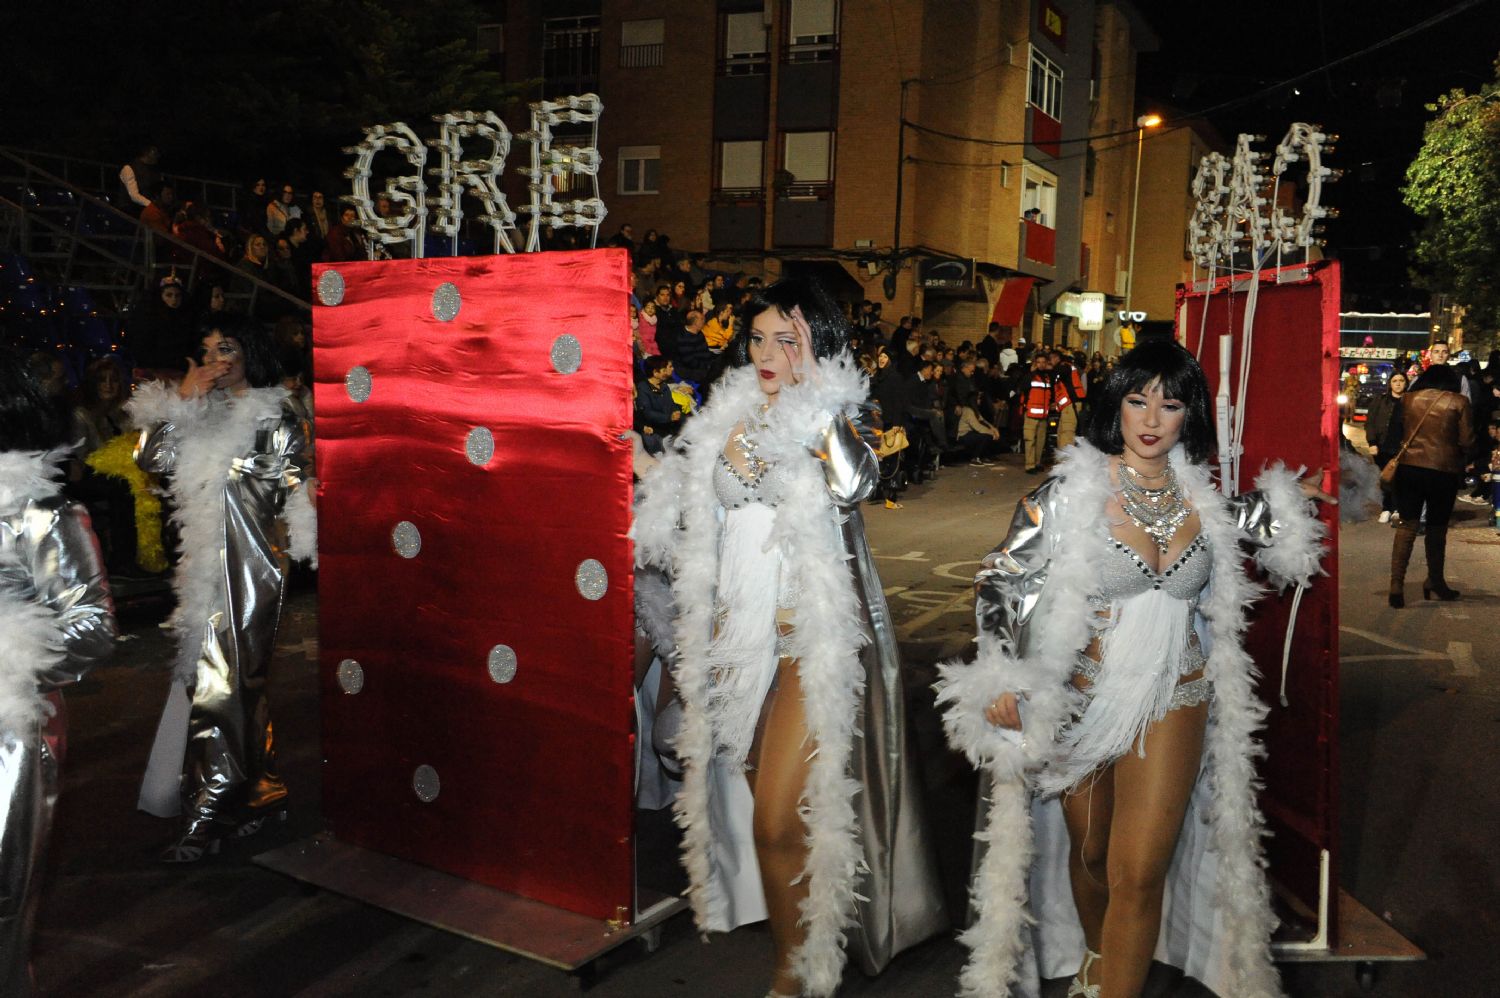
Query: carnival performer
x: 232, y: 449
x: 801, y: 800
x: 1112, y: 697
x: 56, y: 622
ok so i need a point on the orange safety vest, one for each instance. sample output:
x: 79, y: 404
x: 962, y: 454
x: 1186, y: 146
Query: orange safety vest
x: 1039, y: 396
x: 1073, y: 391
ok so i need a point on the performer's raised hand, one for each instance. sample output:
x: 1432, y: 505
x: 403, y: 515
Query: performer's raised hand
x: 804, y: 364
x: 200, y: 378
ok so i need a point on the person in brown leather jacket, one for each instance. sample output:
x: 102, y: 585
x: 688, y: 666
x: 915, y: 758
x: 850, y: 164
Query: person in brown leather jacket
x: 1439, y: 436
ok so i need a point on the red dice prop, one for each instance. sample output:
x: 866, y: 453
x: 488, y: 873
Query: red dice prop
x: 475, y: 587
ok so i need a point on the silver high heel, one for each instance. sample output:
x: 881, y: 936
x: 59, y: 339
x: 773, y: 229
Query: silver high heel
x: 1081, y: 988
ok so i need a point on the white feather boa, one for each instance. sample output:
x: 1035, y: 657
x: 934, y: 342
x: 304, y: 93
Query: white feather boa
x: 210, y: 436
x: 677, y: 528
x: 1059, y: 630
x: 31, y: 642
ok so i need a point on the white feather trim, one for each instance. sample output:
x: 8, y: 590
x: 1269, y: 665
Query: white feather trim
x: 301, y: 524
x: 1296, y: 554
x: 997, y: 940
x: 29, y: 475
x: 31, y: 644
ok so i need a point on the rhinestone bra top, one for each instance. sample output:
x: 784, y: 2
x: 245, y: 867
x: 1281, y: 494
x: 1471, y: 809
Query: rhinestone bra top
x: 1123, y: 574
x: 734, y: 491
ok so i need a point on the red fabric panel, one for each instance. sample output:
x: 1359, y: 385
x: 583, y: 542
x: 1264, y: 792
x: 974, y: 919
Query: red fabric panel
x: 1010, y: 307
x: 1292, y: 416
x: 1046, y: 131
x: 1041, y: 242
x: 536, y: 775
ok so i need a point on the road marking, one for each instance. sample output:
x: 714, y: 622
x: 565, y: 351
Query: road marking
x: 308, y: 647
x: 921, y: 620
x: 908, y: 556
x: 1462, y: 653
x: 1385, y: 642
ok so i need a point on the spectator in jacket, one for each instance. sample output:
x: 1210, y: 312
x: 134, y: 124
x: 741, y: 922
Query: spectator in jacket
x: 657, y: 416
x: 346, y: 240
x: 1439, y: 437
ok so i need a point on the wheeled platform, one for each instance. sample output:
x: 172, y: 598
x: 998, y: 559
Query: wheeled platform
x: 537, y: 931
x: 1363, y: 939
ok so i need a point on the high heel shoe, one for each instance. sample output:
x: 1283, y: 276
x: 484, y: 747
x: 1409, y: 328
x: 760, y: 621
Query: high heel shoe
x: 252, y: 826
x: 191, y: 847
x: 1081, y: 988
x: 1439, y: 590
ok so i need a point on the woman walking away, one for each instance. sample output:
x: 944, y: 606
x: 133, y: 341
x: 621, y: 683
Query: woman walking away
x: 1429, y: 470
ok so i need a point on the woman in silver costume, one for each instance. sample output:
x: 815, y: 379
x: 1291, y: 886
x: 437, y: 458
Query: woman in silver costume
x: 1113, y: 708
x: 56, y: 622
x: 801, y: 801
x: 232, y: 449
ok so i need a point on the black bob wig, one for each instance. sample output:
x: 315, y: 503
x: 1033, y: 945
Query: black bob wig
x: 1175, y: 369
x: 830, y: 333
x: 262, y: 363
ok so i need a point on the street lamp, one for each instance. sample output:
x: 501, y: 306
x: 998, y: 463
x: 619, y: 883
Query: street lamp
x: 1142, y: 123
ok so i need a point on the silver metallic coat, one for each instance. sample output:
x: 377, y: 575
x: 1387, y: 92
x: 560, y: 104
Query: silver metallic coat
x: 235, y: 468
x: 49, y: 558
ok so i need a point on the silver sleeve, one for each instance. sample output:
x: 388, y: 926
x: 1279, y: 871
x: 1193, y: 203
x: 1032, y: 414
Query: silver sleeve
x: 1253, y: 518
x: 69, y: 577
x: 1015, y: 572
x: 849, y: 465
x: 156, y: 451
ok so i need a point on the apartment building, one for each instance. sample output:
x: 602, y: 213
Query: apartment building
x: 1169, y: 162
x: 893, y: 147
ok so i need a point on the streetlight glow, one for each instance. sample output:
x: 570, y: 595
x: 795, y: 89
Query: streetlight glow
x: 1142, y: 123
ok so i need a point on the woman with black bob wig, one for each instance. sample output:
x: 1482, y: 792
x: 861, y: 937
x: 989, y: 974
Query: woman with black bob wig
x: 1112, y: 705
x: 232, y: 449
x: 784, y: 646
x: 56, y: 622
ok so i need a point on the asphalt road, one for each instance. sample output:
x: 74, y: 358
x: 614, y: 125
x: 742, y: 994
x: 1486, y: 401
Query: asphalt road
x: 1421, y: 761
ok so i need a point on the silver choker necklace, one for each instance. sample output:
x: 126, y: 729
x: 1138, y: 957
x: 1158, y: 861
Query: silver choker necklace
x: 1160, y: 511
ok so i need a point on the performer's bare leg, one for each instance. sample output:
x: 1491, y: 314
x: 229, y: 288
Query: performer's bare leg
x: 778, y: 782
x: 1150, y: 799
x: 1088, y: 811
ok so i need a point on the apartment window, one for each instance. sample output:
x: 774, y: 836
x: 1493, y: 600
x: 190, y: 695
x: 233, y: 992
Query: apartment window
x: 745, y: 44
x: 640, y: 169
x: 740, y: 166
x: 641, y: 43
x: 812, y: 30
x: 1039, y: 191
x: 808, y: 157
x: 491, y: 42
x: 570, y: 51
x: 1045, y: 92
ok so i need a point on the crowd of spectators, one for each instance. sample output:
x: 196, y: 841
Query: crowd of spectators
x: 932, y: 403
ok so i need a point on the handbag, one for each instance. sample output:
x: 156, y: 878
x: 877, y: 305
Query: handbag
x: 891, y: 441
x: 1388, y: 473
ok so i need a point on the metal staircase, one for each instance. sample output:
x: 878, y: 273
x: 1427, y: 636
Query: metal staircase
x: 72, y: 265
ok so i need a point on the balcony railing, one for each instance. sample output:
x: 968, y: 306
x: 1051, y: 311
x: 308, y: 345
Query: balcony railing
x: 640, y: 56
x: 1038, y: 243
x: 747, y: 64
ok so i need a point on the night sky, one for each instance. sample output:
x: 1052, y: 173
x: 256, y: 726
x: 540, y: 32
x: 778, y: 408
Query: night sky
x: 1211, y: 54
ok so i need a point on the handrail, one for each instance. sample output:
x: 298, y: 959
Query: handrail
x: 150, y: 235
x: 112, y: 171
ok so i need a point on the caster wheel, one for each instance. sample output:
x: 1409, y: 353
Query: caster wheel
x: 1364, y: 973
